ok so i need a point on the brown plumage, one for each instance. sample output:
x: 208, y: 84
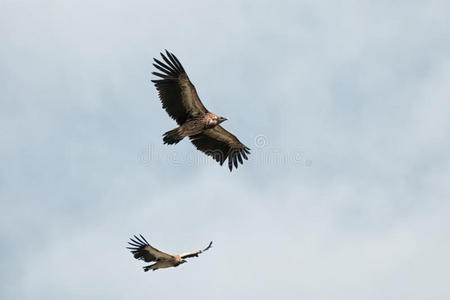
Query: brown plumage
x: 179, y: 98
x: 142, y: 250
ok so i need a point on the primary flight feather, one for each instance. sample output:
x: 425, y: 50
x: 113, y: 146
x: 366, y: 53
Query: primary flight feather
x: 179, y: 98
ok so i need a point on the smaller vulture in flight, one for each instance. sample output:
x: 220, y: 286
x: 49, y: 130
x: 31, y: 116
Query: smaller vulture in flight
x: 179, y: 98
x: 142, y: 250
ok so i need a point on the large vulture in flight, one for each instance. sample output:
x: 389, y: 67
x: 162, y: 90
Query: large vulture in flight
x: 142, y: 250
x: 179, y: 98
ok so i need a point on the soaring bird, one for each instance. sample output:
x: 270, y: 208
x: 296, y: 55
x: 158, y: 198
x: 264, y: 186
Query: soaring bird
x: 179, y: 98
x: 141, y: 249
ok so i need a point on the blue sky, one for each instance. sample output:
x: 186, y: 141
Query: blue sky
x: 345, y: 105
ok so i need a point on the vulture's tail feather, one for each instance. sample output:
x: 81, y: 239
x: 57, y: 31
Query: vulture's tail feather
x: 173, y: 136
x: 146, y: 268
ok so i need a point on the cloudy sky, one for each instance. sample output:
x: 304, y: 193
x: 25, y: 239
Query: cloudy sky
x: 345, y: 105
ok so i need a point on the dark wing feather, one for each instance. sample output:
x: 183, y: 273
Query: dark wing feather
x: 195, y: 253
x: 176, y: 92
x: 141, y: 249
x: 221, y: 145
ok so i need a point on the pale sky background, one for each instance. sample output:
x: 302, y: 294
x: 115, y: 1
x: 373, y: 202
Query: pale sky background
x: 345, y: 104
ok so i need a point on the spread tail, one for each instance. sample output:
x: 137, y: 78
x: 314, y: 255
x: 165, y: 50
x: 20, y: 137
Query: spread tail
x: 150, y: 267
x: 173, y: 136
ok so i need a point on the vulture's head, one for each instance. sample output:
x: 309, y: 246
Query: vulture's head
x: 221, y: 119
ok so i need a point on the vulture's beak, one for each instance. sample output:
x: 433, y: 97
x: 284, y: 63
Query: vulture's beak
x: 222, y: 119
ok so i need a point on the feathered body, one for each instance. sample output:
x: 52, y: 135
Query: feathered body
x: 192, y: 127
x: 162, y: 264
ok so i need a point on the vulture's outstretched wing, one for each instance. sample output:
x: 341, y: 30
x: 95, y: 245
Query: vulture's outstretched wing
x: 195, y: 253
x: 178, y: 95
x: 221, y: 144
x: 141, y: 249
